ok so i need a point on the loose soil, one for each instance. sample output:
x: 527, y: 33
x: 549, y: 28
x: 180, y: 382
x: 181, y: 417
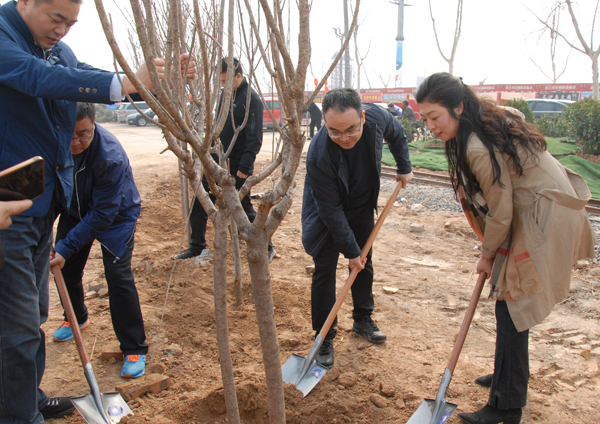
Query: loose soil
x: 433, y: 272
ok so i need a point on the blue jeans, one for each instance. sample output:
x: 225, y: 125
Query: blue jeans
x: 24, y: 300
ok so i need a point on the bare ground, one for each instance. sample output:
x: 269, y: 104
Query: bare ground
x: 433, y: 272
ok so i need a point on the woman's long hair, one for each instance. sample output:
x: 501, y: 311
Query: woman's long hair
x: 495, y: 127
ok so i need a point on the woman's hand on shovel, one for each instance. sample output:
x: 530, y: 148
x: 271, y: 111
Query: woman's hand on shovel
x: 357, y: 262
x: 485, y: 265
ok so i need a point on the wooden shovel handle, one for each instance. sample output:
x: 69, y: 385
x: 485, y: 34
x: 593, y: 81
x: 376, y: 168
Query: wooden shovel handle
x: 66, y: 301
x: 365, y: 251
x: 464, y: 328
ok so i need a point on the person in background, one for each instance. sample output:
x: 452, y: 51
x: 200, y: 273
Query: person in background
x: 105, y: 207
x: 343, y: 169
x: 534, y: 225
x: 241, y: 158
x: 408, y: 113
x: 394, y: 110
x: 41, y: 81
x: 315, y: 117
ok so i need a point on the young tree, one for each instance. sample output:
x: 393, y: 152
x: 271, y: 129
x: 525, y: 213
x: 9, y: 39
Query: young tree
x: 583, y: 47
x: 212, y: 25
x: 457, y: 31
x: 554, y: 23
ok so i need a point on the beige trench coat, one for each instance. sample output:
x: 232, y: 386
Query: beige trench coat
x: 545, y: 208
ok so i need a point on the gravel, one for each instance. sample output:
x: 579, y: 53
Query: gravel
x: 433, y: 198
x: 436, y: 198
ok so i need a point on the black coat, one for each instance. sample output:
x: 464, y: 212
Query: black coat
x: 249, y: 140
x: 326, y: 190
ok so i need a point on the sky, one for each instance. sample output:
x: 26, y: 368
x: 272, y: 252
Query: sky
x: 498, y: 40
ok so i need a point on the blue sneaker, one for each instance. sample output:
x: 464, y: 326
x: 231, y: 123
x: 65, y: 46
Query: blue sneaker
x: 64, y: 333
x: 135, y: 366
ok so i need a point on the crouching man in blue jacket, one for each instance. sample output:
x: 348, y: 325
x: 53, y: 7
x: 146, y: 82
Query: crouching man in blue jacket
x: 105, y: 206
x: 343, y: 168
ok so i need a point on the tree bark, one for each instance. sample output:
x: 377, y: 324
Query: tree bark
x: 222, y: 327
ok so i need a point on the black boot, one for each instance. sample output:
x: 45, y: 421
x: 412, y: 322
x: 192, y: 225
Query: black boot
x: 485, y: 380
x: 189, y: 253
x: 489, y: 415
x: 369, y: 330
x: 325, y: 354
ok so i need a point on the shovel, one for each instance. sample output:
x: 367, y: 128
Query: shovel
x: 305, y: 373
x: 439, y: 411
x: 95, y: 408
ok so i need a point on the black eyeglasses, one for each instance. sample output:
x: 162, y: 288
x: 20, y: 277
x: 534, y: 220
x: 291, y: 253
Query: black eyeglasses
x: 348, y: 133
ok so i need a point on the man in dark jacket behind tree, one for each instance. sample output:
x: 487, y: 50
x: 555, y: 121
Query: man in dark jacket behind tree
x: 241, y: 158
x: 105, y: 207
x: 343, y: 169
x: 315, y: 117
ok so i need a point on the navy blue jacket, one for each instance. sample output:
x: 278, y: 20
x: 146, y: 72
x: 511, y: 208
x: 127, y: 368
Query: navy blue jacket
x: 326, y: 188
x: 38, y: 95
x: 249, y: 139
x: 106, y: 196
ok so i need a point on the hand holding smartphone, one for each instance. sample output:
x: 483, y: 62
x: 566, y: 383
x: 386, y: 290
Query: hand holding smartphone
x: 23, y: 181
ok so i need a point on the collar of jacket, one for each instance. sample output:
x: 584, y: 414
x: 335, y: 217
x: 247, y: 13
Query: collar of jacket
x: 369, y: 136
x: 9, y: 11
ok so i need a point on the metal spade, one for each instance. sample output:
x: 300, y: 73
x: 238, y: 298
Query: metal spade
x: 303, y: 372
x: 439, y: 411
x: 97, y: 407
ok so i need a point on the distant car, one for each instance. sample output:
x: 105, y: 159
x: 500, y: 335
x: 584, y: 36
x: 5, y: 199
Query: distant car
x: 126, y: 109
x: 541, y: 107
x: 138, y: 120
x: 275, y: 107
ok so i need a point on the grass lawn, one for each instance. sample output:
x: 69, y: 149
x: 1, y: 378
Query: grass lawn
x: 430, y: 155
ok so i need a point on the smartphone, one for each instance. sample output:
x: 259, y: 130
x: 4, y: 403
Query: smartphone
x: 23, y: 181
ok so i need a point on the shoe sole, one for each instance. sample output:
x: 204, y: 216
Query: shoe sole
x: 85, y: 325
x: 132, y: 376
x: 62, y: 414
x: 360, y: 333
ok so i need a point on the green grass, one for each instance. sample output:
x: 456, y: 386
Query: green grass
x: 428, y: 156
x: 590, y: 172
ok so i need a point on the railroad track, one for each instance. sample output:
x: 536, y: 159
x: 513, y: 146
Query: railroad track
x: 443, y: 180
x: 593, y: 206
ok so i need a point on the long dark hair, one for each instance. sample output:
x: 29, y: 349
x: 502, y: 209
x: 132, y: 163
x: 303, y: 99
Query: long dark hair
x: 495, y: 127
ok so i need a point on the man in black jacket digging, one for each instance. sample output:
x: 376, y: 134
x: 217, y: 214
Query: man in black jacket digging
x: 241, y: 158
x: 343, y: 169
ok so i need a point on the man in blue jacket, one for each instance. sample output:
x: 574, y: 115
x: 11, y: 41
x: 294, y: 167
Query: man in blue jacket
x: 343, y: 169
x: 105, y: 207
x: 40, y: 83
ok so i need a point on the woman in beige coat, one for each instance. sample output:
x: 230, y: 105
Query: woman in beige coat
x: 532, y: 220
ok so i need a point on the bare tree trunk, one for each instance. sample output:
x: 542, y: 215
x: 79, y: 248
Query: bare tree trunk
x: 347, y: 67
x: 220, y: 298
x: 237, y: 262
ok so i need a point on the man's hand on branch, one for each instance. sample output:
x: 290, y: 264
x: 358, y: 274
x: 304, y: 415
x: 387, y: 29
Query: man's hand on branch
x: 405, y: 178
x: 159, y: 63
x: 240, y: 174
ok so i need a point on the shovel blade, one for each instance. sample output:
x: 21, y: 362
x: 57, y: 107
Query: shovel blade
x: 113, y: 403
x: 427, y: 414
x: 292, y: 369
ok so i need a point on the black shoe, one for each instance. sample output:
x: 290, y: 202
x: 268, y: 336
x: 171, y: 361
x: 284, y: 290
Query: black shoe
x: 325, y: 354
x: 369, y: 330
x: 485, y: 381
x: 489, y: 415
x: 189, y: 253
x: 57, y: 407
x: 271, y: 252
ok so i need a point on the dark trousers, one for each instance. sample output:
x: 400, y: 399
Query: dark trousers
x: 511, y: 364
x: 323, y: 292
x: 123, y: 299
x: 314, y: 123
x: 199, y: 217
